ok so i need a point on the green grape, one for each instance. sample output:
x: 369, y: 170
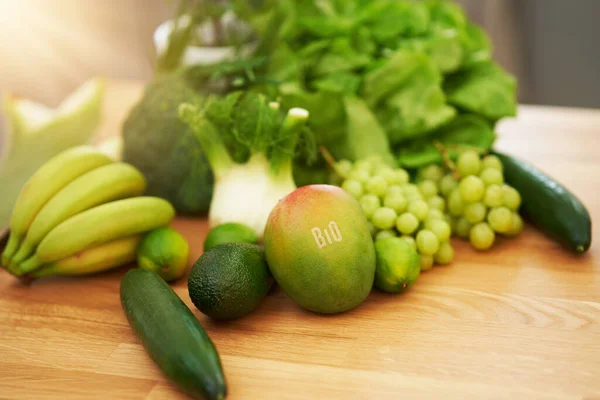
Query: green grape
x: 394, y: 190
x: 410, y: 188
x: 471, y: 189
x: 463, y: 227
x: 434, y: 214
x: 386, y: 173
x: 500, y: 219
x: 397, y: 202
x: 448, y: 219
x: 494, y: 196
x: 419, y: 209
x: 377, y: 185
x: 491, y: 176
x: 402, y: 177
x: 411, y: 197
x: 475, y: 212
x: 410, y: 240
x: 426, y: 262
x: 369, y: 203
x: 376, y: 161
x: 512, y: 198
x: 355, y: 188
x: 359, y: 175
x: 440, y: 228
x: 456, y: 205
x: 372, y: 228
x: 388, y: 233
x: 517, y: 225
x: 427, y: 242
x: 445, y: 254
x: 384, y: 218
x: 407, y: 223
x: 344, y: 167
x: 364, y: 165
x: 432, y: 172
x: 492, y: 162
x: 468, y: 163
x: 437, y: 203
x: 428, y: 188
x: 447, y: 185
x: 482, y: 236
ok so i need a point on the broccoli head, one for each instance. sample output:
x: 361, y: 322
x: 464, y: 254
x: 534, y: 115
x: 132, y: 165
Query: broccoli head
x: 165, y: 149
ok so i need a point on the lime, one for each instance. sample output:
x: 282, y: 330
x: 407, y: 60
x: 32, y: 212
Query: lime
x: 165, y: 252
x: 398, y: 265
x: 230, y: 232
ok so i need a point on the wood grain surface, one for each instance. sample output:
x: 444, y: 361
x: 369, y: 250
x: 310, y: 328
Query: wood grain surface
x: 519, y: 322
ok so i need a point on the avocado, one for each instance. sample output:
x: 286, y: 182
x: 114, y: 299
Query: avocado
x: 230, y: 280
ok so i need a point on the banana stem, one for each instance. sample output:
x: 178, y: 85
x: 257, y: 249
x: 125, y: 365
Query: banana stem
x: 24, y: 252
x: 31, y: 264
x: 11, y: 248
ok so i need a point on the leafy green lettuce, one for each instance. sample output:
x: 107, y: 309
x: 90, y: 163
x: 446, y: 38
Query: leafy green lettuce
x: 384, y: 76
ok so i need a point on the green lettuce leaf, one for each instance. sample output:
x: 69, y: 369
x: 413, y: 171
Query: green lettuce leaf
x: 364, y: 136
x: 447, y: 14
x: 477, y: 45
x: 407, y: 96
x: 483, y: 89
x: 444, y: 46
x: 327, y: 114
x: 340, y: 57
x: 388, y: 20
x: 466, y: 130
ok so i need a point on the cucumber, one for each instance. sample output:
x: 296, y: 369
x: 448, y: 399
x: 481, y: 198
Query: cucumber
x: 172, y: 335
x: 548, y: 205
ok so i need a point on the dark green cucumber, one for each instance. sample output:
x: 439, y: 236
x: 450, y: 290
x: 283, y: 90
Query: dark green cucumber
x: 549, y: 205
x: 172, y: 335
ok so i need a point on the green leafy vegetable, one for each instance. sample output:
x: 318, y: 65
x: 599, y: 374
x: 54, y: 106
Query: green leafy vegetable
x: 484, y: 89
x: 415, y: 103
x: 466, y: 131
x: 364, y: 136
x: 377, y: 76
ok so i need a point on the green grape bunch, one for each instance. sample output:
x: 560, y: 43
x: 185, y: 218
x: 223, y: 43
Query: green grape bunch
x: 468, y: 200
x: 397, y: 207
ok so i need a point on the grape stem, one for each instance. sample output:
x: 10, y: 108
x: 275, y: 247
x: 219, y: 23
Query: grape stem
x: 447, y: 160
x: 331, y: 161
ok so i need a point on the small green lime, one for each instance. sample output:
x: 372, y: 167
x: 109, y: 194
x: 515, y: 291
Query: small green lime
x: 230, y: 232
x: 398, y: 265
x: 165, y: 252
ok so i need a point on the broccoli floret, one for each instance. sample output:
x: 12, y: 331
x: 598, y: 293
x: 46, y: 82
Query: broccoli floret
x: 165, y: 149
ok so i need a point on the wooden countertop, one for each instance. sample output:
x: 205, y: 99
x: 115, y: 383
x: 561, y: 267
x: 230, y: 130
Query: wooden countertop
x: 521, y: 321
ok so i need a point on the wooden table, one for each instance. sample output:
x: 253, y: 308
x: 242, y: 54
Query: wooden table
x: 521, y: 321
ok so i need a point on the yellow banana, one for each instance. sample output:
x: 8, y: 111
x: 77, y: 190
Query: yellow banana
x: 97, y: 259
x: 45, y: 183
x: 101, y: 185
x: 98, y: 225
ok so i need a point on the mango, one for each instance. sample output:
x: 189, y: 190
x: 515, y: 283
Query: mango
x: 319, y: 249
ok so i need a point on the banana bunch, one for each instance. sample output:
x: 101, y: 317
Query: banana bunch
x: 81, y: 213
